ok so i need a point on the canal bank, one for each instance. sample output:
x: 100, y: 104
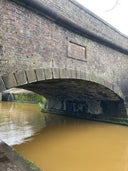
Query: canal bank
x: 10, y: 160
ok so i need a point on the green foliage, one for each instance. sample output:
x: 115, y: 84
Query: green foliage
x: 29, y: 97
x: 42, y: 106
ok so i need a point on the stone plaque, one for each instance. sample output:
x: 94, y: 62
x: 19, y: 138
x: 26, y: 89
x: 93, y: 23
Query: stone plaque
x: 76, y: 51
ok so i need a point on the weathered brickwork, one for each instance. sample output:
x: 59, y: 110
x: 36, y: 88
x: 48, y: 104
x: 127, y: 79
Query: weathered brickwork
x: 29, y: 40
x: 81, y: 16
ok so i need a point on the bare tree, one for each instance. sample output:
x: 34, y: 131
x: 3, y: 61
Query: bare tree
x: 114, y: 6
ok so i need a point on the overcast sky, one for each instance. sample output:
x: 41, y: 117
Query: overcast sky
x: 114, y: 12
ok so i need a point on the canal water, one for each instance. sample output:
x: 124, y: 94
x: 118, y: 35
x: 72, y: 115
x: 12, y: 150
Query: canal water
x: 57, y: 143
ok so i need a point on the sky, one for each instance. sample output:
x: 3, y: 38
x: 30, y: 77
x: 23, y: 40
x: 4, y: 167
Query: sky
x: 115, y: 12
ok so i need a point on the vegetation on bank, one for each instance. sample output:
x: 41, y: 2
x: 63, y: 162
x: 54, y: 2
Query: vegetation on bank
x: 29, y: 97
x: 25, y: 97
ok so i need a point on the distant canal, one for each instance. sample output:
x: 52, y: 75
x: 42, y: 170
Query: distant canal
x: 57, y: 143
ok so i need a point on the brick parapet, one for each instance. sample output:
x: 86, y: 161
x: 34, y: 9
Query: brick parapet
x: 87, y: 24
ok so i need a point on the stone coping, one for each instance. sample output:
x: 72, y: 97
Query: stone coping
x: 10, y: 160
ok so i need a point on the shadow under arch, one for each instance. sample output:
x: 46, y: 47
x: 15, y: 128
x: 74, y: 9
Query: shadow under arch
x: 69, y: 91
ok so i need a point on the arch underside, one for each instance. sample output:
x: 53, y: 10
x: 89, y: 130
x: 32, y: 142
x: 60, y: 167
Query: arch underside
x: 72, y: 89
x: 68, y: 91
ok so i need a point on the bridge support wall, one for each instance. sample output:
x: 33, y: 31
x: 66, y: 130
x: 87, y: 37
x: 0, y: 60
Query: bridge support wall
x: 88, y: 108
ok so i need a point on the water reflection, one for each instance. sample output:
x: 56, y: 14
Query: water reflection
x: 18, y: 122
x: 61, y: 143
x: 73, y: 144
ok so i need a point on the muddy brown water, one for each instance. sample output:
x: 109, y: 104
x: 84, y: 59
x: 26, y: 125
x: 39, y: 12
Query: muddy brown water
x: 57, y: 143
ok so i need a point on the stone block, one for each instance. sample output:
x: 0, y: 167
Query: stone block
x: 40, y: 74
x: 56, y: 73
x: 78, y: 74
x: 31, y: 76
x: 20, y: 77
x: 92, y: 77
x: 100, y: 80
x: 63, y: 73
x: 2, y: 86
x: 48, y: 73
x: 83, y: 75
x: 69, y: 73
x: 73, y: 73
x: 9, y: 80
x: 88, y: 77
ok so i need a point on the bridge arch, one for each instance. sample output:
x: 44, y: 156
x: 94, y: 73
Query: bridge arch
x: 25, y: 77
x: 67, y: 90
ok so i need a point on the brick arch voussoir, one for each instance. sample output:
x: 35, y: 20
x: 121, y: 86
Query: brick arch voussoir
x: 22, y: 77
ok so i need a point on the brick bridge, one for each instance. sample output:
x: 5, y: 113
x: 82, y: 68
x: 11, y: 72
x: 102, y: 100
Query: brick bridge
x: 61, y: 50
